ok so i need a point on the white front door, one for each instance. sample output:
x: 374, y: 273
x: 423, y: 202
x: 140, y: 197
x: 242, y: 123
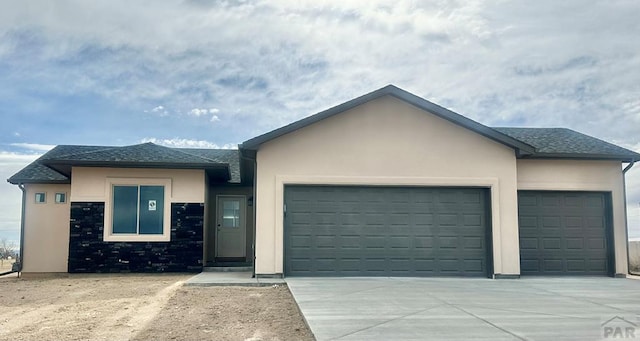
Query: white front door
x: 231, y: 226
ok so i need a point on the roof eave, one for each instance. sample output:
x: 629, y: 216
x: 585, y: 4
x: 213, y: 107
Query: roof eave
x: 39, y: 181
x: 129, y: 164
x: 584, y: 156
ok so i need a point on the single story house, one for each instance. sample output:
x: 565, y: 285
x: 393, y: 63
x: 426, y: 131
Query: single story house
x: 387, y: 184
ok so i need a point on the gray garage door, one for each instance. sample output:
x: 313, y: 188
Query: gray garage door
x: 386, y: 231
x: 564, y: 233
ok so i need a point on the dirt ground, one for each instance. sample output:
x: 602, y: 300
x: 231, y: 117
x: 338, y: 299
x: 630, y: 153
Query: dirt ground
x: 144, y: 307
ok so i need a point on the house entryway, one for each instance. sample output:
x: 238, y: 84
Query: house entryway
x: 231, y: 227
x: 228, y: 231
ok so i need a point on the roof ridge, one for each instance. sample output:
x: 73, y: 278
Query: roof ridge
x: 190, y: 154
x: 102, y: 148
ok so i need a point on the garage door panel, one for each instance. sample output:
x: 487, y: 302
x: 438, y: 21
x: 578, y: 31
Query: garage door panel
x: 551, y: 222
x: 471, y: 243
x: 472, y: 220
x: 553, y: 265
x: 528, y: 221
x: 448, y: 220
x: 449, y: 242
x: 577, y: 222
x: 596, y: 243
x: 598, y: 264
x: 551, y: 201
x: 387, y: 231
x: 576, y: 265
x: 575, y: 244
x: 421, y: 219
x: 563, y: 233
x: 530, y: 264
x: 551, y: 243
x: 322, y: 218
x: 595, y: 222
x: 473, y: 265
x: 594, y: 201
x: 528, y: 243
x: 471, y: 197
x: 422, y: 242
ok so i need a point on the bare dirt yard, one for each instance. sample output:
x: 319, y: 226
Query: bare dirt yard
x: 144, y: 307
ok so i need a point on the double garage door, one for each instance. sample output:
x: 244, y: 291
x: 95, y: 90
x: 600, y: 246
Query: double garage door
x: 386, y: 231
x: 421, y: 231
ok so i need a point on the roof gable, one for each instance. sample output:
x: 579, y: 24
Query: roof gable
x: 520, y: 147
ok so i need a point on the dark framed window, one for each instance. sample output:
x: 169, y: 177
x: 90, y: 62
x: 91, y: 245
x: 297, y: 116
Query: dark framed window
x: 61, y: 198
x: 138, y: 210
x: 41, y: 198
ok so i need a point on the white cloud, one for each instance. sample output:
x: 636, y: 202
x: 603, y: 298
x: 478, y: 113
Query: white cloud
x: 33, y: 146
x: 205, y: 112
x: 187, y: 143
x: 272, y: 62
x: 7, y: 158
x: 198, y: 112
x: 159, y: 110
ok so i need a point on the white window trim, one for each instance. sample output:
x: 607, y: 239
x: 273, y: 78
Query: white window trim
x: 55, y: 198
x: 109, y: 236
x: 35, y: 196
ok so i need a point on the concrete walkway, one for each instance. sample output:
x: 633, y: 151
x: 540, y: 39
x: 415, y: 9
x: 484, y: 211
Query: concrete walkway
x: 467, y: 309
x: 207, y: 279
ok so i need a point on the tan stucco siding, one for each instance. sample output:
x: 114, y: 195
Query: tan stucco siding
x: 385, y: 142
x: 90, y: 183
x: 582, y: 175
x: 46, y: 230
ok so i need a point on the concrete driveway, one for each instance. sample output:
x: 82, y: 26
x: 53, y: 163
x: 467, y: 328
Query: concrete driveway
x: 469, y: 309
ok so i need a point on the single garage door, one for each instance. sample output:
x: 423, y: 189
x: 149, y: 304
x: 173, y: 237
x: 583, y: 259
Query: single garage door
x: 564, y: 233
x: 386, y: 231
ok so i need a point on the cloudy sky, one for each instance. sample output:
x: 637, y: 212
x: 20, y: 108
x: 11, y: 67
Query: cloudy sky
x: 203, y: 73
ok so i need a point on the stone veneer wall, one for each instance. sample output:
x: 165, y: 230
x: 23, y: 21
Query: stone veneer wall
x: 89, y: 253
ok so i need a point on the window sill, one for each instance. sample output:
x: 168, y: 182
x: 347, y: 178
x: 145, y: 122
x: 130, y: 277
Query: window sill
x: 137, y: 238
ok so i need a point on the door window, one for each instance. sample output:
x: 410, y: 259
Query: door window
x: 231, y: 213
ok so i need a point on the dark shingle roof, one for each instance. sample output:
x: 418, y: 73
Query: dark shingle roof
x: 228, y: 156
x: 146, y: 153
x: 37, y: 173
x: 566, y: 143
x: 54, y: 166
